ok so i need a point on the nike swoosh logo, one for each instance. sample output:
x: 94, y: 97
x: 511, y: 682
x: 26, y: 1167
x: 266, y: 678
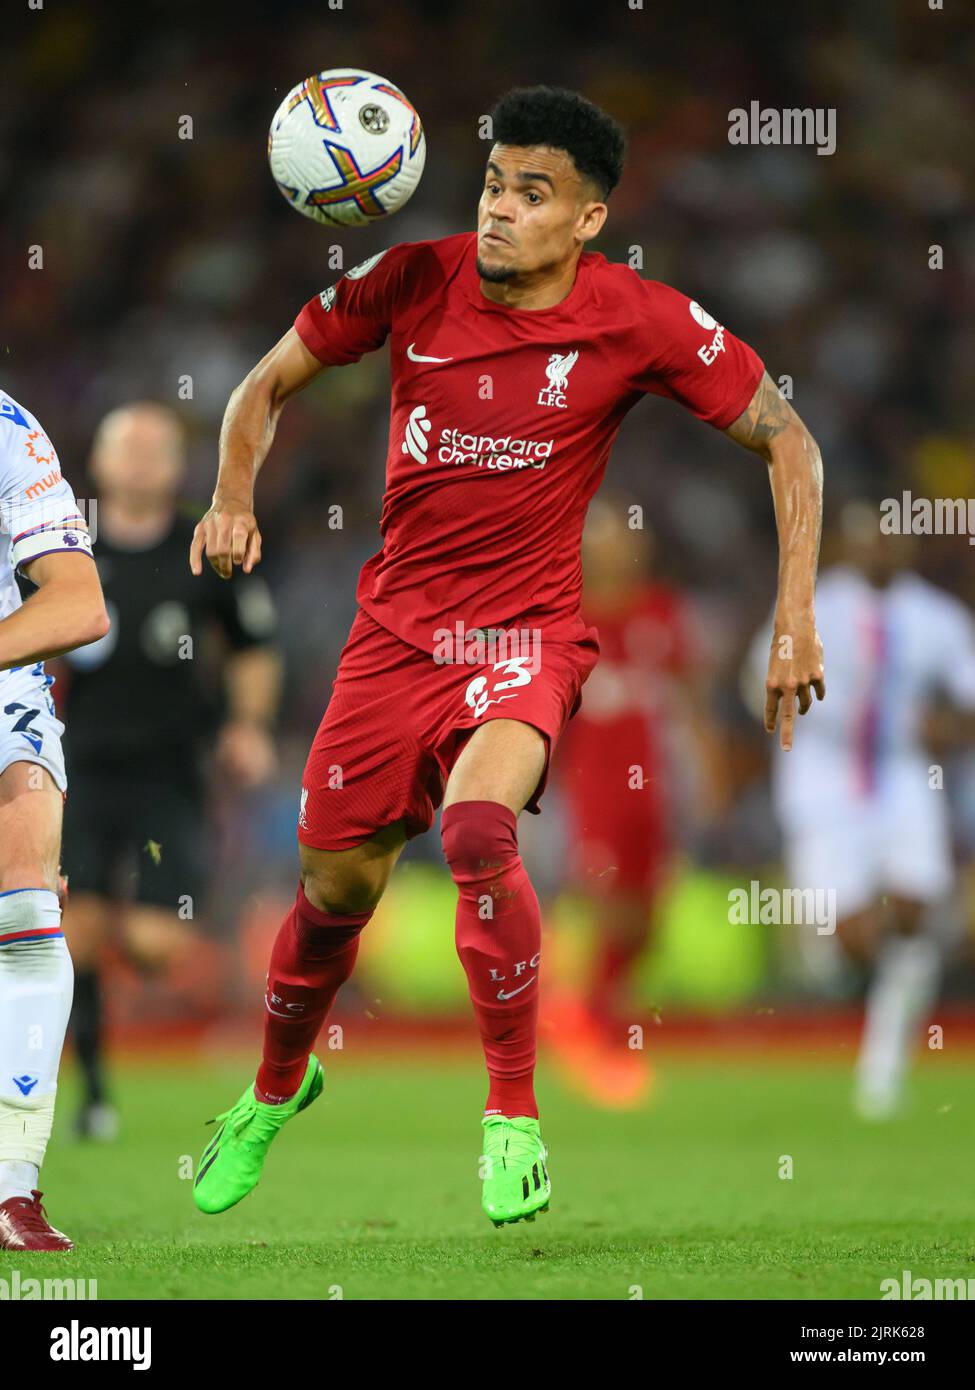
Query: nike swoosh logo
x: 418, y: 357
x: 512, y: 992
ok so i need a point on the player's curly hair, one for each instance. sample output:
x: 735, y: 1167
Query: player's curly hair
x: 567, y: 121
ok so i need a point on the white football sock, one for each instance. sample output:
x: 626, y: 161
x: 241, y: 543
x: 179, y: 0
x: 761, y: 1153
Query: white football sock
x: 902, y: 990
x: 36, y: 985
x: 18, y: 1180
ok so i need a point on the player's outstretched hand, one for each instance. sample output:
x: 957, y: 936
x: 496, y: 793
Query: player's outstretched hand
x: 227, y: 534
x: 795, y: 670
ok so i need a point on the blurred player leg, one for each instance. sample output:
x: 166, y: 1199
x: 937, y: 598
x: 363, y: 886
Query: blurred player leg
x: 902, y: 989
x: 87, y: 928
x: 860, y: 935
x: 622, y: 936
x: 35, y: 998
x: 916, y: 872
x: 160, y: 825
x: 587, y: 1031
x: 620, y: 858
x: 95, y: 835
x: 881, y: 931
x: 155, y: 937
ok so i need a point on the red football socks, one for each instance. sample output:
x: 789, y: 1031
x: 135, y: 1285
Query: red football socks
x: 498, y: 937
x: 612, y: 971
x: 313, y: 955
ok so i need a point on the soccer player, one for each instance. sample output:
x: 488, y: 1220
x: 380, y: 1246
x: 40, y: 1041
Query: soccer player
x: 644, y: 707
x: 516, y: 354
x: 858, y: 810
x: 45, y: 539
x: 140, y: 711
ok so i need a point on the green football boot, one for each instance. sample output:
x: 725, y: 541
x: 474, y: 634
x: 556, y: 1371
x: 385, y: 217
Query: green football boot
x: 230, y: 1165
x: 516, y: 1181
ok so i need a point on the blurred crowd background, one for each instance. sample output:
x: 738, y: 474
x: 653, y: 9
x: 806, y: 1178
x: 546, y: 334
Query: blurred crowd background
x: 167, y: 258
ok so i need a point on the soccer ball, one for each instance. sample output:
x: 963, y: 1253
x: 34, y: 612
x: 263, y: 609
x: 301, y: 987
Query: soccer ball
x: 346, y: 147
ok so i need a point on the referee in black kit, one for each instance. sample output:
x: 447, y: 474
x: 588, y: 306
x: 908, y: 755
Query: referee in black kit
x: 141, y: 706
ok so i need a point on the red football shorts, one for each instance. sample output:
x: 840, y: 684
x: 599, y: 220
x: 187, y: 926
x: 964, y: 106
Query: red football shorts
x: 397, y: 721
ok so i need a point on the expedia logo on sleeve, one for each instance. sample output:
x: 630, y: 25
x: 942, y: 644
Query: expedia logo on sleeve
x: 364, y: 267
x: 709, y: 351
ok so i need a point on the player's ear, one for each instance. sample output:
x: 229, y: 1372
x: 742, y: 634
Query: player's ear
x: 592, y: 217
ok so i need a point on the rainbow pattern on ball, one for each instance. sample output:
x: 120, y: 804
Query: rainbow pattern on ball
x: 346, y: 147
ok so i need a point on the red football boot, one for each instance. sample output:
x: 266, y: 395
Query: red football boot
x: 24, y: 1226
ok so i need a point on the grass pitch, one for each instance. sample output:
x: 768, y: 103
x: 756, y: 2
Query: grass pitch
x: 373, y: 1194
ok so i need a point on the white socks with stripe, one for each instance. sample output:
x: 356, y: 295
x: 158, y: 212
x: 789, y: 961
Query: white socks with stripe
x: 36, y: 984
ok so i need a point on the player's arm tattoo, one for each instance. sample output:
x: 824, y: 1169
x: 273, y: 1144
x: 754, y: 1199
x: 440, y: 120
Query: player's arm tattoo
x: 765, y: 417
x: 770, y: 427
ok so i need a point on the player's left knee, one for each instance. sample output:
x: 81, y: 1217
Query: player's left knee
x: 906, y: 915
x: 478, y: 838
x: 158, y: 941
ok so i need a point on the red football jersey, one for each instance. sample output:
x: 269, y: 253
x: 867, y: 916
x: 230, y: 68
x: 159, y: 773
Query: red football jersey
x: 501, y: 423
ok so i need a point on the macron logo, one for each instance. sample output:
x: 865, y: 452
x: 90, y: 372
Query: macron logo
x: 417, y: 429
x: 25, y: 1084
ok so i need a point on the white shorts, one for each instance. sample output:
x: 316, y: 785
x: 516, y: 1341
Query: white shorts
x: 897, y: 843
x: 30, y: 731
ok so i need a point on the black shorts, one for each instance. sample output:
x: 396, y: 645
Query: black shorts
x: 136, y: 839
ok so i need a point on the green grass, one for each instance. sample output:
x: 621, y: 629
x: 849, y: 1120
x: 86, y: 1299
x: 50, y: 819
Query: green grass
x: 374, y: 1191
